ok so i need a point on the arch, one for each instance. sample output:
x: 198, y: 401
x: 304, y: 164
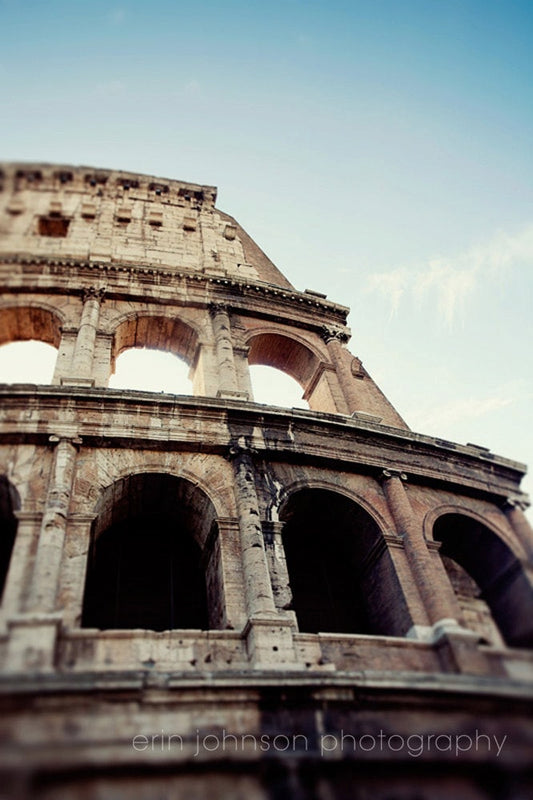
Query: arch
x: 271, y: 386
x: 277, y: 506
x: 155, y: 331
x: 452, y: 508
x: 160, y: 468
x: 288, y: 353
x: 498, y: 578
x: 153, y: 556
x: 340, y: 571
x: 9, y: 503
x: 30, y: 321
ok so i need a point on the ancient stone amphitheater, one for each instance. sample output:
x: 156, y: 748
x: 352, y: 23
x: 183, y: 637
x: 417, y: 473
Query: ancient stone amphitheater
x: 204, y: 596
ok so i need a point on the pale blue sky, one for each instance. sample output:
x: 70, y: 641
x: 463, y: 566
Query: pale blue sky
x: 379, y: 151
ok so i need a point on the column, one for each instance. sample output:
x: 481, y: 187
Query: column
x: 227, y: 374
x: 242, y: 368
x: 33, y: 632
x: 222, y: 562
x: 82, y: 362
x: 334, y: 340
x: 18, y: 575
x: 73, y: 569
x: 457, y: 647
x: 258, y: 590
x: 514, y: 511
x: 277, y: 564
x: 268, y: 636
x: 101, y: 369
x: 45, y: 580
x: 65, y: 354
x: 433, y: 591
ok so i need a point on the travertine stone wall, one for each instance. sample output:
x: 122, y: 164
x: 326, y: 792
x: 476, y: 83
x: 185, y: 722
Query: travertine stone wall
x: 95, y: 262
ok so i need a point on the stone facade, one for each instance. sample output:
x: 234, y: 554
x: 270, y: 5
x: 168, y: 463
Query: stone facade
x: 181, y: 570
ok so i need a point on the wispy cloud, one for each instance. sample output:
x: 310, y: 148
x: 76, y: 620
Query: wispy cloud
x: 473, y: 406
x: 450, y: 281
x: 467, y: 408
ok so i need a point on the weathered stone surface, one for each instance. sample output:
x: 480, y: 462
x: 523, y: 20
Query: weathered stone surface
x: 95, y: 262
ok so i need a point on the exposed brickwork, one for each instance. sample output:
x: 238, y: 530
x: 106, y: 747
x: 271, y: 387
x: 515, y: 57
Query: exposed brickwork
x: 152, y: 262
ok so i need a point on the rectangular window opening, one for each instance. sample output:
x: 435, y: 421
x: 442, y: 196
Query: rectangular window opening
x: 53, y: 226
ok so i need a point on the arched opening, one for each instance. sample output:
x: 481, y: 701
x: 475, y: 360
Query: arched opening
x: 153, y: 354
x: 495, y: 589
x: 9, y: 503
x: 151, y: 371
x: 319, y: 388
x: 284, y: 353
x: 29, y: 338
x: 27, y: 362
x: 275, y: 388
x: 340, y: 572
x: 153, y: 562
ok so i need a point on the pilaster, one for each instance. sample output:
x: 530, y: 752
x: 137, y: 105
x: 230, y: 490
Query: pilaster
x: 81, y: 368
x: 227, y: 374
x: 269, y: 637
x: 514, y: 509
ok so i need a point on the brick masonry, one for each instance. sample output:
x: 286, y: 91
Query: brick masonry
x: 95, y: 262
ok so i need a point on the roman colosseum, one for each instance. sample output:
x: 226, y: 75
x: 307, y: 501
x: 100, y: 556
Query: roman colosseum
x: 207, y: 596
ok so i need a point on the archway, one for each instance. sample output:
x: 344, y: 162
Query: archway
x: 9, y: 503
x: 284, y: 353
x: 153, y: 558
x: 153, y: 353
x: 498, y: 589
x: 274, y: 387
x: 149, y: 370
x: 29, y: 338
x: 340, y: 572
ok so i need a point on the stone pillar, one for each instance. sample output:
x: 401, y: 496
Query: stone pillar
x: 82, y: 362
x: 277, y: 565
x: 514, y: 511
x: 242, y: 368
x: 433, y: 591
x: 65, y: 354
x: 268, y: 636
x: 258, y: 590
x: 227, y: 374
x: 457, y: 647
x: 103, y: 349
x: 33, y: 632
x: 45, y: 580
x: 18, y: 576
x: 74, y: 568
x: 334, y: 340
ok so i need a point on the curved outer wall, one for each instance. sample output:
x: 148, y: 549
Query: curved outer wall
x: 96, y: 262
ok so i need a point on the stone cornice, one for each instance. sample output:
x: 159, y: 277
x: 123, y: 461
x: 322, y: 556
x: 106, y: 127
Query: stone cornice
x: 226, y: 288
x: 334, y: 441
x: 106, y: 179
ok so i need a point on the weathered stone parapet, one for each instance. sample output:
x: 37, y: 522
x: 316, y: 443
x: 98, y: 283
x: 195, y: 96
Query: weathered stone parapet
x: 50, y: 549
x: 32, y: 642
